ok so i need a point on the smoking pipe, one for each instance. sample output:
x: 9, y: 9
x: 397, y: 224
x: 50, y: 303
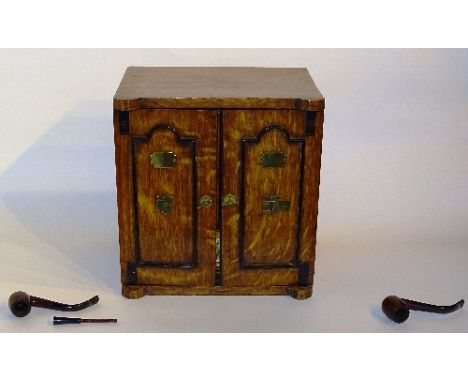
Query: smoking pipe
x: 398, y: 309
x: 20, y: 304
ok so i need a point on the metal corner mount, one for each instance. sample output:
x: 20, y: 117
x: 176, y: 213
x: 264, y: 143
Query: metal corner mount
x: 132, y: 273
x: 124, y: 123
x: 303, y: 274
x: 310, y: 123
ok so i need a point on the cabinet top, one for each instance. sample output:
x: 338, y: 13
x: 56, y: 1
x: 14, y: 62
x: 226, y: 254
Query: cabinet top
x: 231, y: 88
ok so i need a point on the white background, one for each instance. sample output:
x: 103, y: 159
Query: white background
x: 393, y: 208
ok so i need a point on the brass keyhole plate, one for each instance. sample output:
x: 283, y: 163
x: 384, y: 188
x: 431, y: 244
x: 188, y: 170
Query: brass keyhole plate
x: 164, y: 204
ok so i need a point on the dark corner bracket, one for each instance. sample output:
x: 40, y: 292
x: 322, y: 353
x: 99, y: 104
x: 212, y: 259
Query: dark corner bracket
x: 132, y: 273
x: 303, y: 274
x: 310, y: 123
x: 124, y: 123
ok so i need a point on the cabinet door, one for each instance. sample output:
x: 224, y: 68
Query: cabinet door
x: 174, y: 189
x: 270, y: 167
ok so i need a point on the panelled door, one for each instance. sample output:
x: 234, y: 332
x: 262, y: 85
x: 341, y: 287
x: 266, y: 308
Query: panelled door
x: 174, y: 179
x: 267, y: 193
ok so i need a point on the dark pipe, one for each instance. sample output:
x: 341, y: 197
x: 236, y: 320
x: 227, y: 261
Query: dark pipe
x: 397, y: 309
x: 20, y: 304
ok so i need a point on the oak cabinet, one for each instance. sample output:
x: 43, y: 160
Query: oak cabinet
x: 217, y: 180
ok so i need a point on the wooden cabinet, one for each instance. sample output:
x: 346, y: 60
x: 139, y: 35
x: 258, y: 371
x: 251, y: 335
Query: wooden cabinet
x: 217, y: 180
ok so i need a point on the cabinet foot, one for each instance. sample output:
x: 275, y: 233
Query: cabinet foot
x: 300, y: 293
x: 133, y: 292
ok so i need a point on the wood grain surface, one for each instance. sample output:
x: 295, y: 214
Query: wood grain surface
x: 241, y: 88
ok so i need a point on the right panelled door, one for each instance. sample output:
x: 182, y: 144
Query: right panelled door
x: 270, y: 166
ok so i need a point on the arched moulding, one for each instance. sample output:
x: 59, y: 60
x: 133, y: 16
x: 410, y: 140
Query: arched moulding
x: 279, y: 161
x: 163, y: 203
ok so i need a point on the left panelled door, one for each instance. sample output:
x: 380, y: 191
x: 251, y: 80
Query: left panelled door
x: 173, y: 185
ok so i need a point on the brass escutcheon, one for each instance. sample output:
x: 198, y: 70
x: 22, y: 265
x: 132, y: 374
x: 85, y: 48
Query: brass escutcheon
x: 229, y: 200
x: 164, y: 204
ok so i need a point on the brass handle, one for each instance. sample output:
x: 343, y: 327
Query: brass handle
x: 229, y: 200
x: 274, y: 203
x: 273, y: 159
x: 163, y: 159
x: 205, y: 201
